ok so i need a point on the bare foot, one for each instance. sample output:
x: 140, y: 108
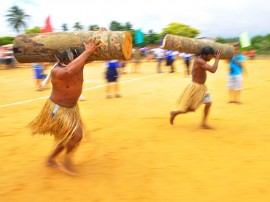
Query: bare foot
x: 52, y: 163
x: 237, y: 102
x: 172, y: 116
x: 68, y: 169
x: 205, y: 126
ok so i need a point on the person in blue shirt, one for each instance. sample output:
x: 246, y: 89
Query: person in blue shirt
x: 236, y: 69
x: 39, y: 74
x: 170, y: 56
x: 112, y: 74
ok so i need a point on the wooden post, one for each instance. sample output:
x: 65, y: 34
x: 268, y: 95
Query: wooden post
x: 194, y: 46
x: 31, y: 48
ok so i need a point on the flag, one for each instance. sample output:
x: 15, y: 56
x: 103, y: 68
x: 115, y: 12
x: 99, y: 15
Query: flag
x: 48, y: 26
x: 139, y: 38
x: 244, y: 40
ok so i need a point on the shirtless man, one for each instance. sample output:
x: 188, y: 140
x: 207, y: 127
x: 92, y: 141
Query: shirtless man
x: 60, y: 115
x: 196, y: 92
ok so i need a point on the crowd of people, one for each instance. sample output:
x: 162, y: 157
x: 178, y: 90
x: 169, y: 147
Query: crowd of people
x: 6, y: 56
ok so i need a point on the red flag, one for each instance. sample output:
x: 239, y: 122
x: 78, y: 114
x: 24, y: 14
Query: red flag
x: 48, y: 26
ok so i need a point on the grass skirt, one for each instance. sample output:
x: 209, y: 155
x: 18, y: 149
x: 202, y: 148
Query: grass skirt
x: 61, y: 125
x: 192, y: 97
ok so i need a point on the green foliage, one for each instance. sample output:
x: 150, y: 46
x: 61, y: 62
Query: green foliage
x: 16, y: 18
x: 228, y: 40
x: 6, y: 40
x: 117, y: 26
x: 33, y: 30
x: 152, y: 38
x: 259, y: 43
x: 65, y: 27
x: 180, y: 30
x: 93, y: 27
x: 78, y: 27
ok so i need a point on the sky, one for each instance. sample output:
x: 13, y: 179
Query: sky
x: 212, y: 18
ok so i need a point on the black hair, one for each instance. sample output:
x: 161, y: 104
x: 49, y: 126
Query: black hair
x: 207, y: 50
x: 67, y: 56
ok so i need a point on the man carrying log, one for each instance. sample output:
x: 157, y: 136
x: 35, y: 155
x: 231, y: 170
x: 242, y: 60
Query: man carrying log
x: 196, y: 92
x: 60, y: 115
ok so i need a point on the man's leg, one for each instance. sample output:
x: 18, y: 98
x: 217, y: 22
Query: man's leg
x: 206, y: 112
x: 70, y: 148
x: 51, y: 159
x: 108, y: 90
x: 237, y: 96
x: 116, y: 89
x: 173, y: 114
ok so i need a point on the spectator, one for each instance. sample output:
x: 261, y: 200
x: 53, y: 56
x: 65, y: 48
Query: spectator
x: 112, y: 74
x: 39, y: 74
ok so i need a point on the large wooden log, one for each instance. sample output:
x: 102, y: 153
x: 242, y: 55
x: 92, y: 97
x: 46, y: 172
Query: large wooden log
x: 194, y: 46
x: 31, y: 48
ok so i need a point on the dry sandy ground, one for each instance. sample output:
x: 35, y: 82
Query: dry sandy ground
x: 132, y: 153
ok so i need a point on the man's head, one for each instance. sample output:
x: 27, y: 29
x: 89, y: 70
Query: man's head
x: 67, y: 56
x: 207, y: 53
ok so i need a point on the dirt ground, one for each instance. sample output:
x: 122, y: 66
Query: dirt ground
x: 132, y: 153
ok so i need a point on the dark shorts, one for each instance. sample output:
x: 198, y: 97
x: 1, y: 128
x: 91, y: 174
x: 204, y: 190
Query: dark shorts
x: 41, y: 76
x: 169, y: 62
x: 112, y: 75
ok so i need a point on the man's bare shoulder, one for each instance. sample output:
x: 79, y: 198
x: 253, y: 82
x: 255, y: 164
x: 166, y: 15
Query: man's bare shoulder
x: 58, y: 72
x: 199, y: 62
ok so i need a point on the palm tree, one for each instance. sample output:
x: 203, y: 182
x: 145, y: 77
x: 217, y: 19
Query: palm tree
x: 16, y: 18
x: 78, y: 27
x: 64, y: 27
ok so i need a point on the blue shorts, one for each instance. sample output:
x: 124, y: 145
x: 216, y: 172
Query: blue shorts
x: 111, y: 75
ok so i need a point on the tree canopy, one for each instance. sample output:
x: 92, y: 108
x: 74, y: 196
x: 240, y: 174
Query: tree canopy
x: 17, y: 18
x: 180, y: 30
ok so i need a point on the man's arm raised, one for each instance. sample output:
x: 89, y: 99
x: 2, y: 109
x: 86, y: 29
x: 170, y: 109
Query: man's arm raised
x: 214, y: 67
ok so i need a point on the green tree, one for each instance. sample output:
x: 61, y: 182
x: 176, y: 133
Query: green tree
x: 227, y: 40
x: 116, y: 26
x: 6, y: 40
x: 64, y: 27
x: 93, y: 27
x: 33, y: 30
x: 180, y: 30
x: 152, y: 38
x: 78, y: 27
x: 128, y: 26
x: 16, y: 18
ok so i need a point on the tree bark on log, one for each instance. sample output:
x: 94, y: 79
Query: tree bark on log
x: 31, y: 48
x: 194, y: 46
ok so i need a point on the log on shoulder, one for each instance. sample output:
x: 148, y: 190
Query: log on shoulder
x: 31, y: 48
x: 194, y: 46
